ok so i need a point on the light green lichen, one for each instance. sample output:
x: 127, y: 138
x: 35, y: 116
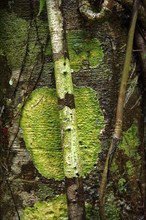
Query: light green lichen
x: 41, y: 130
x: 83, y: 50
x: 63, y: 77
x: 71, y: 150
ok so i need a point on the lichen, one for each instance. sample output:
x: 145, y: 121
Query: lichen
x: 63, y: 77
x: 83, y: 50
x: 41, y: 130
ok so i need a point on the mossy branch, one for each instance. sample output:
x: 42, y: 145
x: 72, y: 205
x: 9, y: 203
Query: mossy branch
x: 86, y: 11
x: 67, y: 113
x: 119, y: 114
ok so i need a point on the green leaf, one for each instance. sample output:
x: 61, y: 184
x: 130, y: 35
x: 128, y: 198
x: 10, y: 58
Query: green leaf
x: 42, y: 3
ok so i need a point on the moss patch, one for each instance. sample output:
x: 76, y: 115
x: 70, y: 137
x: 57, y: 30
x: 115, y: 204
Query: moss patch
x: 129, y: 145
x: 130, y: 141
x: 40, y: 123
x: 53, y: 210
x: 129, y: 161
x: 56, y: 209
x: 18, y: 37
x: 13, y: 37
x: 84, y: 51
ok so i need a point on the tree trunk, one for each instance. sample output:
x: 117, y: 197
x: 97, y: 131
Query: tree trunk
x: 31, y: 184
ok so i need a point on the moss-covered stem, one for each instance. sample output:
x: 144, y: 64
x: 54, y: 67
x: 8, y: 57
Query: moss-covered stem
x: 86, y: 11
x: 119, y: 114
x: 66, y: 105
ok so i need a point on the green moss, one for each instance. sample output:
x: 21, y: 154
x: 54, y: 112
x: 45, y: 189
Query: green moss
x: 14, y: 38
x: 40, y: 123
x: 54, y: 209
x: 90, y: 122
x: 130, y: 153
x: 122, y: 185
x: 129, y: 145
x: 130, y: 141
x: 83, y: 50
x: 44, y: 191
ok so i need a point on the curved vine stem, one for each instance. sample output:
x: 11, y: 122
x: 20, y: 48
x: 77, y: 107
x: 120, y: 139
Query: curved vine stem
x: 86, y: 11
x: 119, y: 114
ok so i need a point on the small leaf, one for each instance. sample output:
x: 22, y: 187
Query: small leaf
x: 42, y: 3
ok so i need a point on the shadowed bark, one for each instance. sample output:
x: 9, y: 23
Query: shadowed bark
x: 140, y: 44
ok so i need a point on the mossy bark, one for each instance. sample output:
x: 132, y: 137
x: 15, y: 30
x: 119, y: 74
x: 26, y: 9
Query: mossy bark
x: 96, y: 53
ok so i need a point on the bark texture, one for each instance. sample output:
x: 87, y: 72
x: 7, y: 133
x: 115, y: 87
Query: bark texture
x: 96, y: 56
